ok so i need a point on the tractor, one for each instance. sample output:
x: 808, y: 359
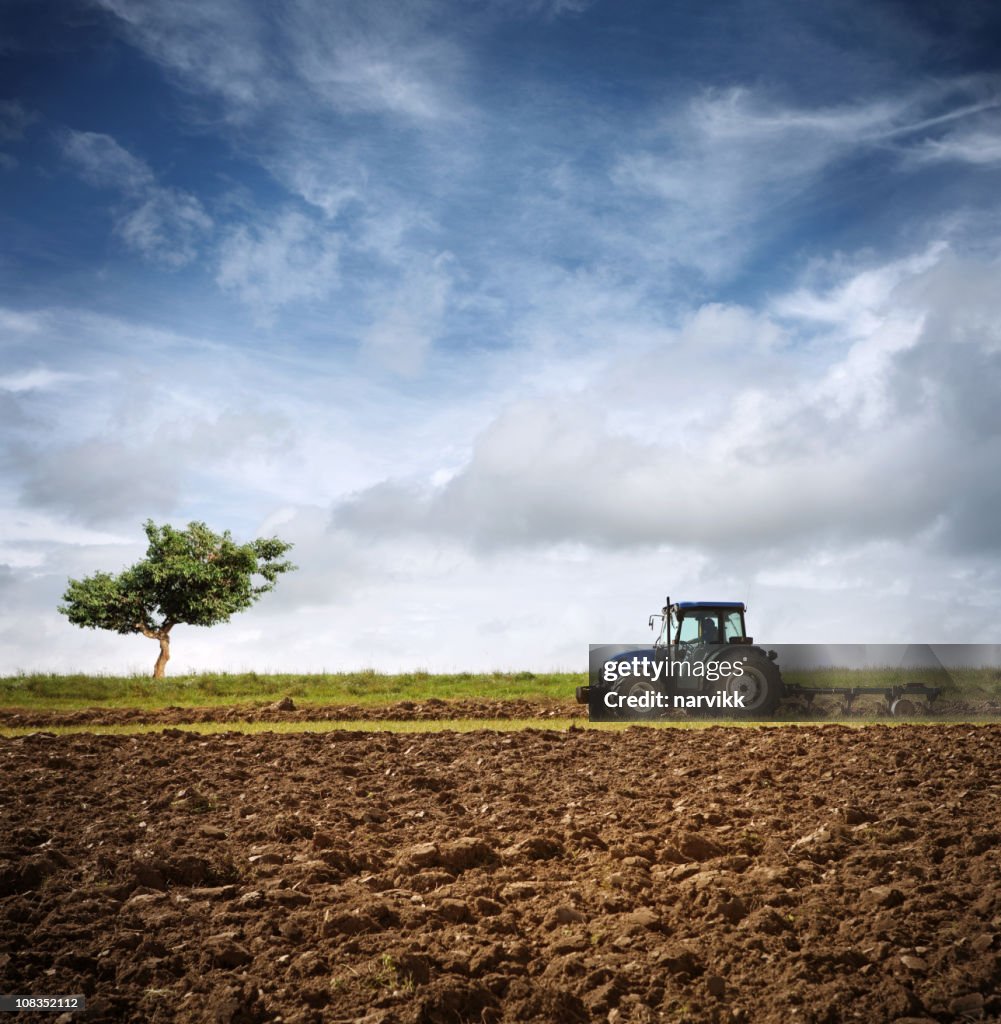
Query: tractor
x: 704, y: 661
x: 702, y: 649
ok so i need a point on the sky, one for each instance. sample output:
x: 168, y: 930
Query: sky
x: 513, y: 316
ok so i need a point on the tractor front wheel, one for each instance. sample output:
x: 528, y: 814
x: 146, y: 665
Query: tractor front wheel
x: 645, y: 689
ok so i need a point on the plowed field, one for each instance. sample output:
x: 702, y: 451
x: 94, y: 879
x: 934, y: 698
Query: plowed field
x: 469, y: 708
x: 812, y: 873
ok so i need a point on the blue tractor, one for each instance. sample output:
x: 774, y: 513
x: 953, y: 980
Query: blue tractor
x: 702, y: 660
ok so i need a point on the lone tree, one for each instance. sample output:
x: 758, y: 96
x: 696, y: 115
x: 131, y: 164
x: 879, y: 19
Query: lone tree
x: 191, y: 576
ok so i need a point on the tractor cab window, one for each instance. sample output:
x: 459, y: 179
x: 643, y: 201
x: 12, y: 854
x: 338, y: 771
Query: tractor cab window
x: 688, y: 631
x: 732, y: 626
x: 699, y: 629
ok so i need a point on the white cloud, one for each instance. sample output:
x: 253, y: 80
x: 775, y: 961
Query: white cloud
x: 738, y: 117
x: 163, y: 224
x: 855, y: 305
x: 376, y: 75
x: 291, y: 259
x: 725, y: 163
x: 38, y: 379
x: 745, y: 434
x: 167, y: 225
x: 396, y: 604
x: 978, y: 146
x: 410, y: 318
x: 222, y: 45
x: 834, y: 466
x: 727, y: 167
x: 206, y: 427
x: 101, y: 161
x: 579, y: 421
x: 379, y: 57
x: 335, y: 101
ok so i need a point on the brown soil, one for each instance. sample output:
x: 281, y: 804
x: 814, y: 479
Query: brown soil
x: 815, y: 874
x: 287, y: 710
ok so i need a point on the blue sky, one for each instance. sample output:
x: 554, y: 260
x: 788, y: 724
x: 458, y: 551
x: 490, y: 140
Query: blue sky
x: 513, y: 316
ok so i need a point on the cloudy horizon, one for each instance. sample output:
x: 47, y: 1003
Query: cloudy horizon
x: 513, y: 317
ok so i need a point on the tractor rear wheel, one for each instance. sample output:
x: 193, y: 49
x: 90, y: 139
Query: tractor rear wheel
x: 760, y: 685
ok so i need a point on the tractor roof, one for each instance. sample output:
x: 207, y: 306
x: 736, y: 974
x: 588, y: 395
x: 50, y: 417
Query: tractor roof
x: 686, y: 606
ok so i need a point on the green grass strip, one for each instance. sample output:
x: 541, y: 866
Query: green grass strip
x: 441, y: 725
x: 215, y: 689
x: 369, y: 688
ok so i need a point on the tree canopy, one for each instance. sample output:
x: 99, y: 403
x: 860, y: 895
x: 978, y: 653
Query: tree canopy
x: 192, y: 576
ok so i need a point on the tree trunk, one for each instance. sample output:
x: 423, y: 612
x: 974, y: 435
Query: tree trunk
x: 161, y: 662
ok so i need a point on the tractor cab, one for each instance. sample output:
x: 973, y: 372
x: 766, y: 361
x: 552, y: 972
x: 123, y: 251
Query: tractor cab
x: 702, y: 622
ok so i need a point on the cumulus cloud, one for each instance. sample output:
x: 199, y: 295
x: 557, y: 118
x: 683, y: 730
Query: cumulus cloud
x: 163, y: 224
x: 860, y: 448
x: 540, y: 476
x: 825, y: 458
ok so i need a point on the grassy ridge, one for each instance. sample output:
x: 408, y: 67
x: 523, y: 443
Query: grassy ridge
x: 73, y: 692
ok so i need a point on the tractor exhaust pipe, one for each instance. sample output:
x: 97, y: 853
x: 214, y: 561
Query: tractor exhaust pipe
x: 667, y: 612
